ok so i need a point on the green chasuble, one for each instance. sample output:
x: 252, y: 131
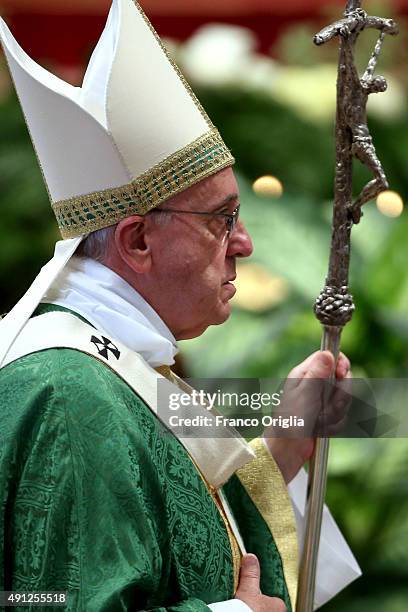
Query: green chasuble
x: 100, y: 500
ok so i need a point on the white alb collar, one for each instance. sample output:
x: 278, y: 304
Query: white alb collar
x: 109, y: 303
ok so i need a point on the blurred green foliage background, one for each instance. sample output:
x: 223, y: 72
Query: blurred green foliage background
x: 271, y: 130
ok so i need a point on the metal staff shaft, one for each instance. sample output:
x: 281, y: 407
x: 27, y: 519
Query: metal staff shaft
x: 316, y: 495
x: 334, y: 307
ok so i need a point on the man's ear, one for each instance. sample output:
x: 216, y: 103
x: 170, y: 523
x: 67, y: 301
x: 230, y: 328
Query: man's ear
x: 131, y: 243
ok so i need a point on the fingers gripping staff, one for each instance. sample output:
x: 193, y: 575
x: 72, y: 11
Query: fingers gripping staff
x: 334, y: 307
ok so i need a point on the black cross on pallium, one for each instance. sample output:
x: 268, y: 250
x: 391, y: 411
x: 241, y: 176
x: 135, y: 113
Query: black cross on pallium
x: 104, y: 346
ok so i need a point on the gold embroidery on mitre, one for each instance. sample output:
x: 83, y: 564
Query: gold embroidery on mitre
x: 264, y: 484
x: 191, y: 164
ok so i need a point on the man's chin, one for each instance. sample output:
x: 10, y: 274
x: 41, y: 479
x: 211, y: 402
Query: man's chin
x: 223, y: 314
x: 219, y: 316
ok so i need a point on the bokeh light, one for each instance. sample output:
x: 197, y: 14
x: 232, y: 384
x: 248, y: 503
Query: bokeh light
x: 257, y: 289
x: 268, y: 186
x: 390, y: 204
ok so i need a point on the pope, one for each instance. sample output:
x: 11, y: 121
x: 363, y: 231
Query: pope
x: 98, y: 498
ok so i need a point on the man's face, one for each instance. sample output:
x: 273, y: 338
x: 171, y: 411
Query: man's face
x: 193, y: 258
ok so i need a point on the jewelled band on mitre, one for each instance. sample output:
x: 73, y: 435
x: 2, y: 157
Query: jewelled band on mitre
x: 203, y: 157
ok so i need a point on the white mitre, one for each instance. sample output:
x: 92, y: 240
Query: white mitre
x: 132, y: 136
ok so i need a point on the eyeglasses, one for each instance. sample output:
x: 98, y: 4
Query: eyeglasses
x: 231, y: 219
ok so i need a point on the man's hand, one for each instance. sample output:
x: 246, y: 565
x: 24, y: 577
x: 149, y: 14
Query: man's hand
x: 303, y: 399
x: 249, y: 590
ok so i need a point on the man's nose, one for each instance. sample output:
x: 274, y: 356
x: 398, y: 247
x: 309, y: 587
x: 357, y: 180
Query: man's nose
x: 240, y: 243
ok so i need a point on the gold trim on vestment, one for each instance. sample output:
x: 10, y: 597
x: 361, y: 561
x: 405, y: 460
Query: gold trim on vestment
x: 235, y: 550
x: 191, y: 164
x: 264, y: 484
